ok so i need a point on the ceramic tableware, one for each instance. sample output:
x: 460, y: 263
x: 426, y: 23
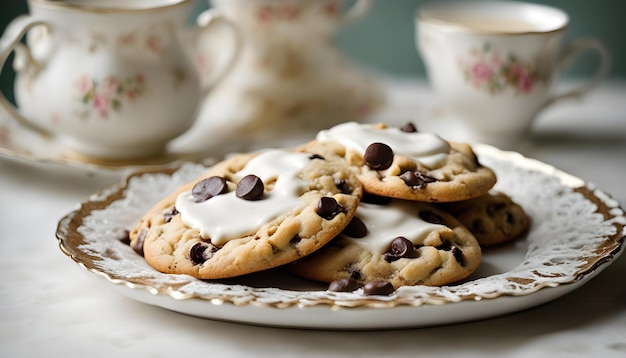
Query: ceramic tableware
x: 494, y: 64
x: 290, y: 79
x: 110, y: 79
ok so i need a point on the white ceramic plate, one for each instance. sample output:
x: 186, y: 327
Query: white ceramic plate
x: 576, y: 232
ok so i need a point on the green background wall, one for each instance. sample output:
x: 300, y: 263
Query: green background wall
x: 384, y: 40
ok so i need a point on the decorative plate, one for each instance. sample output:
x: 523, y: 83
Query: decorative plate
x: 576, y: 232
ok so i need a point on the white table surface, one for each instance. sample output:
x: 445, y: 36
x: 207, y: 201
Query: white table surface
x: 51, y: 307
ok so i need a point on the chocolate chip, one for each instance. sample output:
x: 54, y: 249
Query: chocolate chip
x: 416, y: 179
x: 137, y: 245
x: 355, y: 228
x: 409, y: 178
x: 401, y: 247
x: 494, y: 208
x: 250, y: 187
x: 375, y: 199
x: 328, y: 208
x: 207, y: 188
x: 479, y: 226
x: 201, y: 252
x: 378, y: 287
x: 445, y: 246
x: 432, y: 217
x: 295, y: 240
x: 458, y: 255
x: 167, y: 217
x: 316, y: 156
x: 456, y: 252
x: 409, y: 128
x: 378, y: 156
x: 124, y: 237
x: 356, y: 275
x: 343, y: 285
x: 343, y: 186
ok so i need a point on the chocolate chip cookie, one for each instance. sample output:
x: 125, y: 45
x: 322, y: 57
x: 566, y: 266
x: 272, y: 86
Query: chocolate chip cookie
x: 395, y: 241
x: 493, y: 218
x: 405, y: 163
x: 250, y: 212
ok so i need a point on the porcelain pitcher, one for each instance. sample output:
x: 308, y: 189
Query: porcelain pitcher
x: 112, y: 79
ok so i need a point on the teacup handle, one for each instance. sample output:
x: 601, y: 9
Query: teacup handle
x: 358, y: 9
x: 205, y: 21
x: 10, y: 42
x: 573, y: 50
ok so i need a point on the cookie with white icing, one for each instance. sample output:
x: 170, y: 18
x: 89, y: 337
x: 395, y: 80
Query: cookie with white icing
x: 493, y: 218
x: 402, y: 242
x: 404, y: 163
x: 250, y: 212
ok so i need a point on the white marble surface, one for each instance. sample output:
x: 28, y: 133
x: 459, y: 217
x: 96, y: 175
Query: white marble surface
x: 49, y: 306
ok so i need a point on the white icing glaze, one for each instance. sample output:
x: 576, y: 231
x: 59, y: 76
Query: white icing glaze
x: 386, y: 222
x: 427, y: 148
x: 225, y: 217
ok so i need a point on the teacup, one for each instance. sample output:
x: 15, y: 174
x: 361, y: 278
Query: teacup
x: 494, y: 63
x: 110, y: 78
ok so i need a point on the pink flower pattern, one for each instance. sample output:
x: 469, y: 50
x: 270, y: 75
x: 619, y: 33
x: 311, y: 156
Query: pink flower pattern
x: 481, y: 74
x: 267, y: 14
x: 102, y: 97
x: 485, y: 69
x: 153, y: 44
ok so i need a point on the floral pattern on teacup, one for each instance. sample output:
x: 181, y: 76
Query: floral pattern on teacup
x: 147, y: 42
x: 291, y: 12
x: 152, y: 41
x: 488, y: 70
x: 286, y: 12
x: 101, y: 97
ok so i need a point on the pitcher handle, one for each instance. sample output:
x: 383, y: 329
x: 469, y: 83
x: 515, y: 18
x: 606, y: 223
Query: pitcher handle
x: 358, y: 9
x: 11, y: 41
x: 573, y: 50
x: 205, y: 21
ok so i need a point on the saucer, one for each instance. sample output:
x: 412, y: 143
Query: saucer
x: 19, y: 143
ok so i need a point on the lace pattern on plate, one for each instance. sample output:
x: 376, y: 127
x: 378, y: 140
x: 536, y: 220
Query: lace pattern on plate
x: 575, y: 229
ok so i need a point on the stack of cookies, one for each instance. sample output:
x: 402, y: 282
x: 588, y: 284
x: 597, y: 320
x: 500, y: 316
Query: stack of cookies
x: 362, y: 206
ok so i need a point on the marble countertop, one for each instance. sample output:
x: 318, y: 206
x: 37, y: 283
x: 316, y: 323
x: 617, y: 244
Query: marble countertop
x: 49, y: 306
